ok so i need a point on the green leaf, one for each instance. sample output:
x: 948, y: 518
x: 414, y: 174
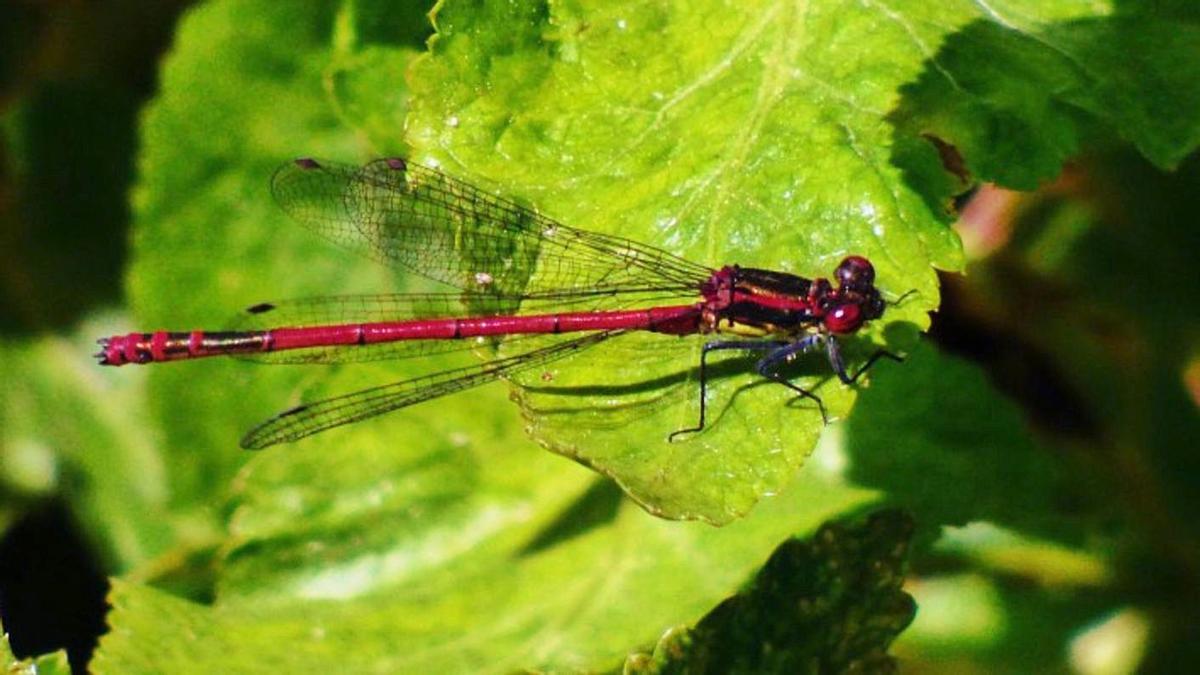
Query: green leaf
x: 757, y: 144
x: 830, y: 604
x: 389, y: 582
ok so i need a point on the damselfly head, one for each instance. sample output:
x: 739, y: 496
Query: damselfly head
x: 856, y: 300
x: 855, y: 272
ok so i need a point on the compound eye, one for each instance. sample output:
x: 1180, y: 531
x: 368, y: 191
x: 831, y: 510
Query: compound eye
x: 855, y: 272
x: 844, y: 318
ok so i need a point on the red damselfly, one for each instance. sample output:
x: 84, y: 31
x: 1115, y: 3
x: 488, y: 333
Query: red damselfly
x: 517, y: 273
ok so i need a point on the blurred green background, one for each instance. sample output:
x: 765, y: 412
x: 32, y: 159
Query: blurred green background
x: 1042, y: 435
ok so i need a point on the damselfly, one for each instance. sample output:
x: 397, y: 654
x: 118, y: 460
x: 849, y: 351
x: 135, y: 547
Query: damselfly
x: 517, y: 273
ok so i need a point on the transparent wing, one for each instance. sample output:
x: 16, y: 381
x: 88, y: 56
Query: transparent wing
x: 308, y: 419
x: 420, y: 219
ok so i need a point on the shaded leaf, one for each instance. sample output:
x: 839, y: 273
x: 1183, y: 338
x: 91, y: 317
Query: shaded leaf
x: 938, y: 439
x: 832, y: 603
x: 46, y: 664
x: 1019, y: 91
